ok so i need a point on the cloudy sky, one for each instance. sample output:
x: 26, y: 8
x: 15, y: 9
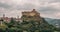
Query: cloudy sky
x: 47, y: 8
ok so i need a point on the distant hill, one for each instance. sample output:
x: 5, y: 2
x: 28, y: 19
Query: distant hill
x: 54, y: 22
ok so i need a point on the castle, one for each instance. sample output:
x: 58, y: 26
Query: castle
x: 32, y: 13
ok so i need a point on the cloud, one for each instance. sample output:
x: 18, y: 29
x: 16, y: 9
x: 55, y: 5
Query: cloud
x: 50, y: 1
x: 26, y: 7
x: 47, y: 8
x: 4, y: 5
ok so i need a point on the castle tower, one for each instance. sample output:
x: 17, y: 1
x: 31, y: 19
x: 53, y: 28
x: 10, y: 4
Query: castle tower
x: 34, y: 11
x: 3, y: 15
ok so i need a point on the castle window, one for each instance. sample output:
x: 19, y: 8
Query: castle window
x: 29, y: 16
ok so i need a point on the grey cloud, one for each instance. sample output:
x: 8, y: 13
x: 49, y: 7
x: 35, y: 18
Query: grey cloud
x: 48, y: 9
x: 4, y: 5
x: 49, y: 1
x: 55, y: 1
x: 0, y: 14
